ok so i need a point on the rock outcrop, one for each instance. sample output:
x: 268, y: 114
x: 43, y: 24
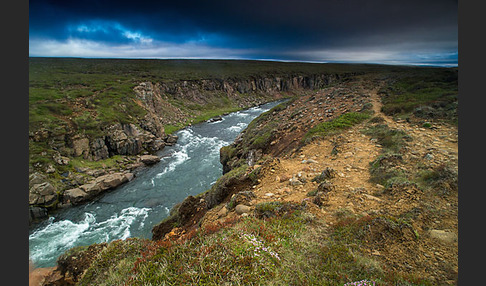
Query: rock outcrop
x: 87, y: 191
x: 146, y: 135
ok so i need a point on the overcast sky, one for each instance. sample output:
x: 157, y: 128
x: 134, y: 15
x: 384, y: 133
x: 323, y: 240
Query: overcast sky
x: 364, y: 31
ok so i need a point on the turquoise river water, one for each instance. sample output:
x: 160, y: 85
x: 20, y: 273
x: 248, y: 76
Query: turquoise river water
x: 189, y: 167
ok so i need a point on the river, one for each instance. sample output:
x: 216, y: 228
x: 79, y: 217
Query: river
x: 189, y: 167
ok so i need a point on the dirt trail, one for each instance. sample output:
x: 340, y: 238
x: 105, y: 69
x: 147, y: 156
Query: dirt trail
x: 289, y: 179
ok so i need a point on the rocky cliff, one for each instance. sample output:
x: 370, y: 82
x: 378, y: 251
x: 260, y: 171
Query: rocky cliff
x: 330, y: 172
x: 56, y: 182
x: 273, y: 134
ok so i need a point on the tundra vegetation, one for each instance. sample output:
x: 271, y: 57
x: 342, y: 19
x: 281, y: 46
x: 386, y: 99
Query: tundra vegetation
x: 279, y: 242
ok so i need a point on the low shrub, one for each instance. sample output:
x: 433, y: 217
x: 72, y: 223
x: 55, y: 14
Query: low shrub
x: 340, y: 123
x: 392, y: 140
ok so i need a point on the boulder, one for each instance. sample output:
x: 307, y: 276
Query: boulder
x: 156, y: 145
x: 92, y: 188
x: 444, y: 236
x: 149, y: 159
x: 36, y: 178
x: 42, y: 194
x: 50, y: 169
x: 325, y: 187
x: 295, y: 182
x: 74, y: 196
x: 60, y: 160
x: 122, y: 145
x: 326, y: 174
x: 131, y: 130
x: 103, y: 183
x: 40, y: 276
x: 243, y: 197
x: 99, y: 150
x: 111, y: 180
x: 129, y: 176
x: 37, y: 213
x: 171, y: 139
x: 215, y: 119
x: 80, y: 146
x: 241, y: 209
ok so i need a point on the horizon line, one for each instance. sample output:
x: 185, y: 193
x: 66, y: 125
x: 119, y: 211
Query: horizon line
x: 452, y: 65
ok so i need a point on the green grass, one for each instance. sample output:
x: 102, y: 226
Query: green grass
x: 336, y: 125
x: 392, y: 140
x: 170, y: 129
x: 78, y: 162
x: 441, y: 180
x: 437, y: 89
x: 219, y: 191
x: 289, y: 248
x: 384, y: 169
x: 40, y: 153
x: 87, y: 125
x: 87, y: 70
x: 257, y: 135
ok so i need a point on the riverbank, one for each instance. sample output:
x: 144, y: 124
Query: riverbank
x: 133, y: 208
x: 345, y: 184
x: 84, y: 125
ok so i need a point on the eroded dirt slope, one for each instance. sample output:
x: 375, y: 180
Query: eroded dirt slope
x: 426, y: 244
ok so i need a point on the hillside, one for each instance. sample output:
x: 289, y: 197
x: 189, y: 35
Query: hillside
x: 93, y: 123
x: 356, y: 180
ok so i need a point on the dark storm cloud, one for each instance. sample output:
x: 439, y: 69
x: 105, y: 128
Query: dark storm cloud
x: 288, y: 30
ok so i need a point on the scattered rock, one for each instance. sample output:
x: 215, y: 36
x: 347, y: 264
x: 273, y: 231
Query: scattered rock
x: 327, y: 174
x: 373, y: 198
x: 50, y: 169
x: 295, y: 182
x: 348, y: 154
x: 428, y: 156
x: 222, y: 212
x: 60, y: 160
x: 241, y: 198
x: 284, y: 178
x: 325, y: 187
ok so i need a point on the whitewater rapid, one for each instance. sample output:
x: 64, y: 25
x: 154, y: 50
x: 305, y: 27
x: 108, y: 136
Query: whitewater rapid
x: 189, y: 167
